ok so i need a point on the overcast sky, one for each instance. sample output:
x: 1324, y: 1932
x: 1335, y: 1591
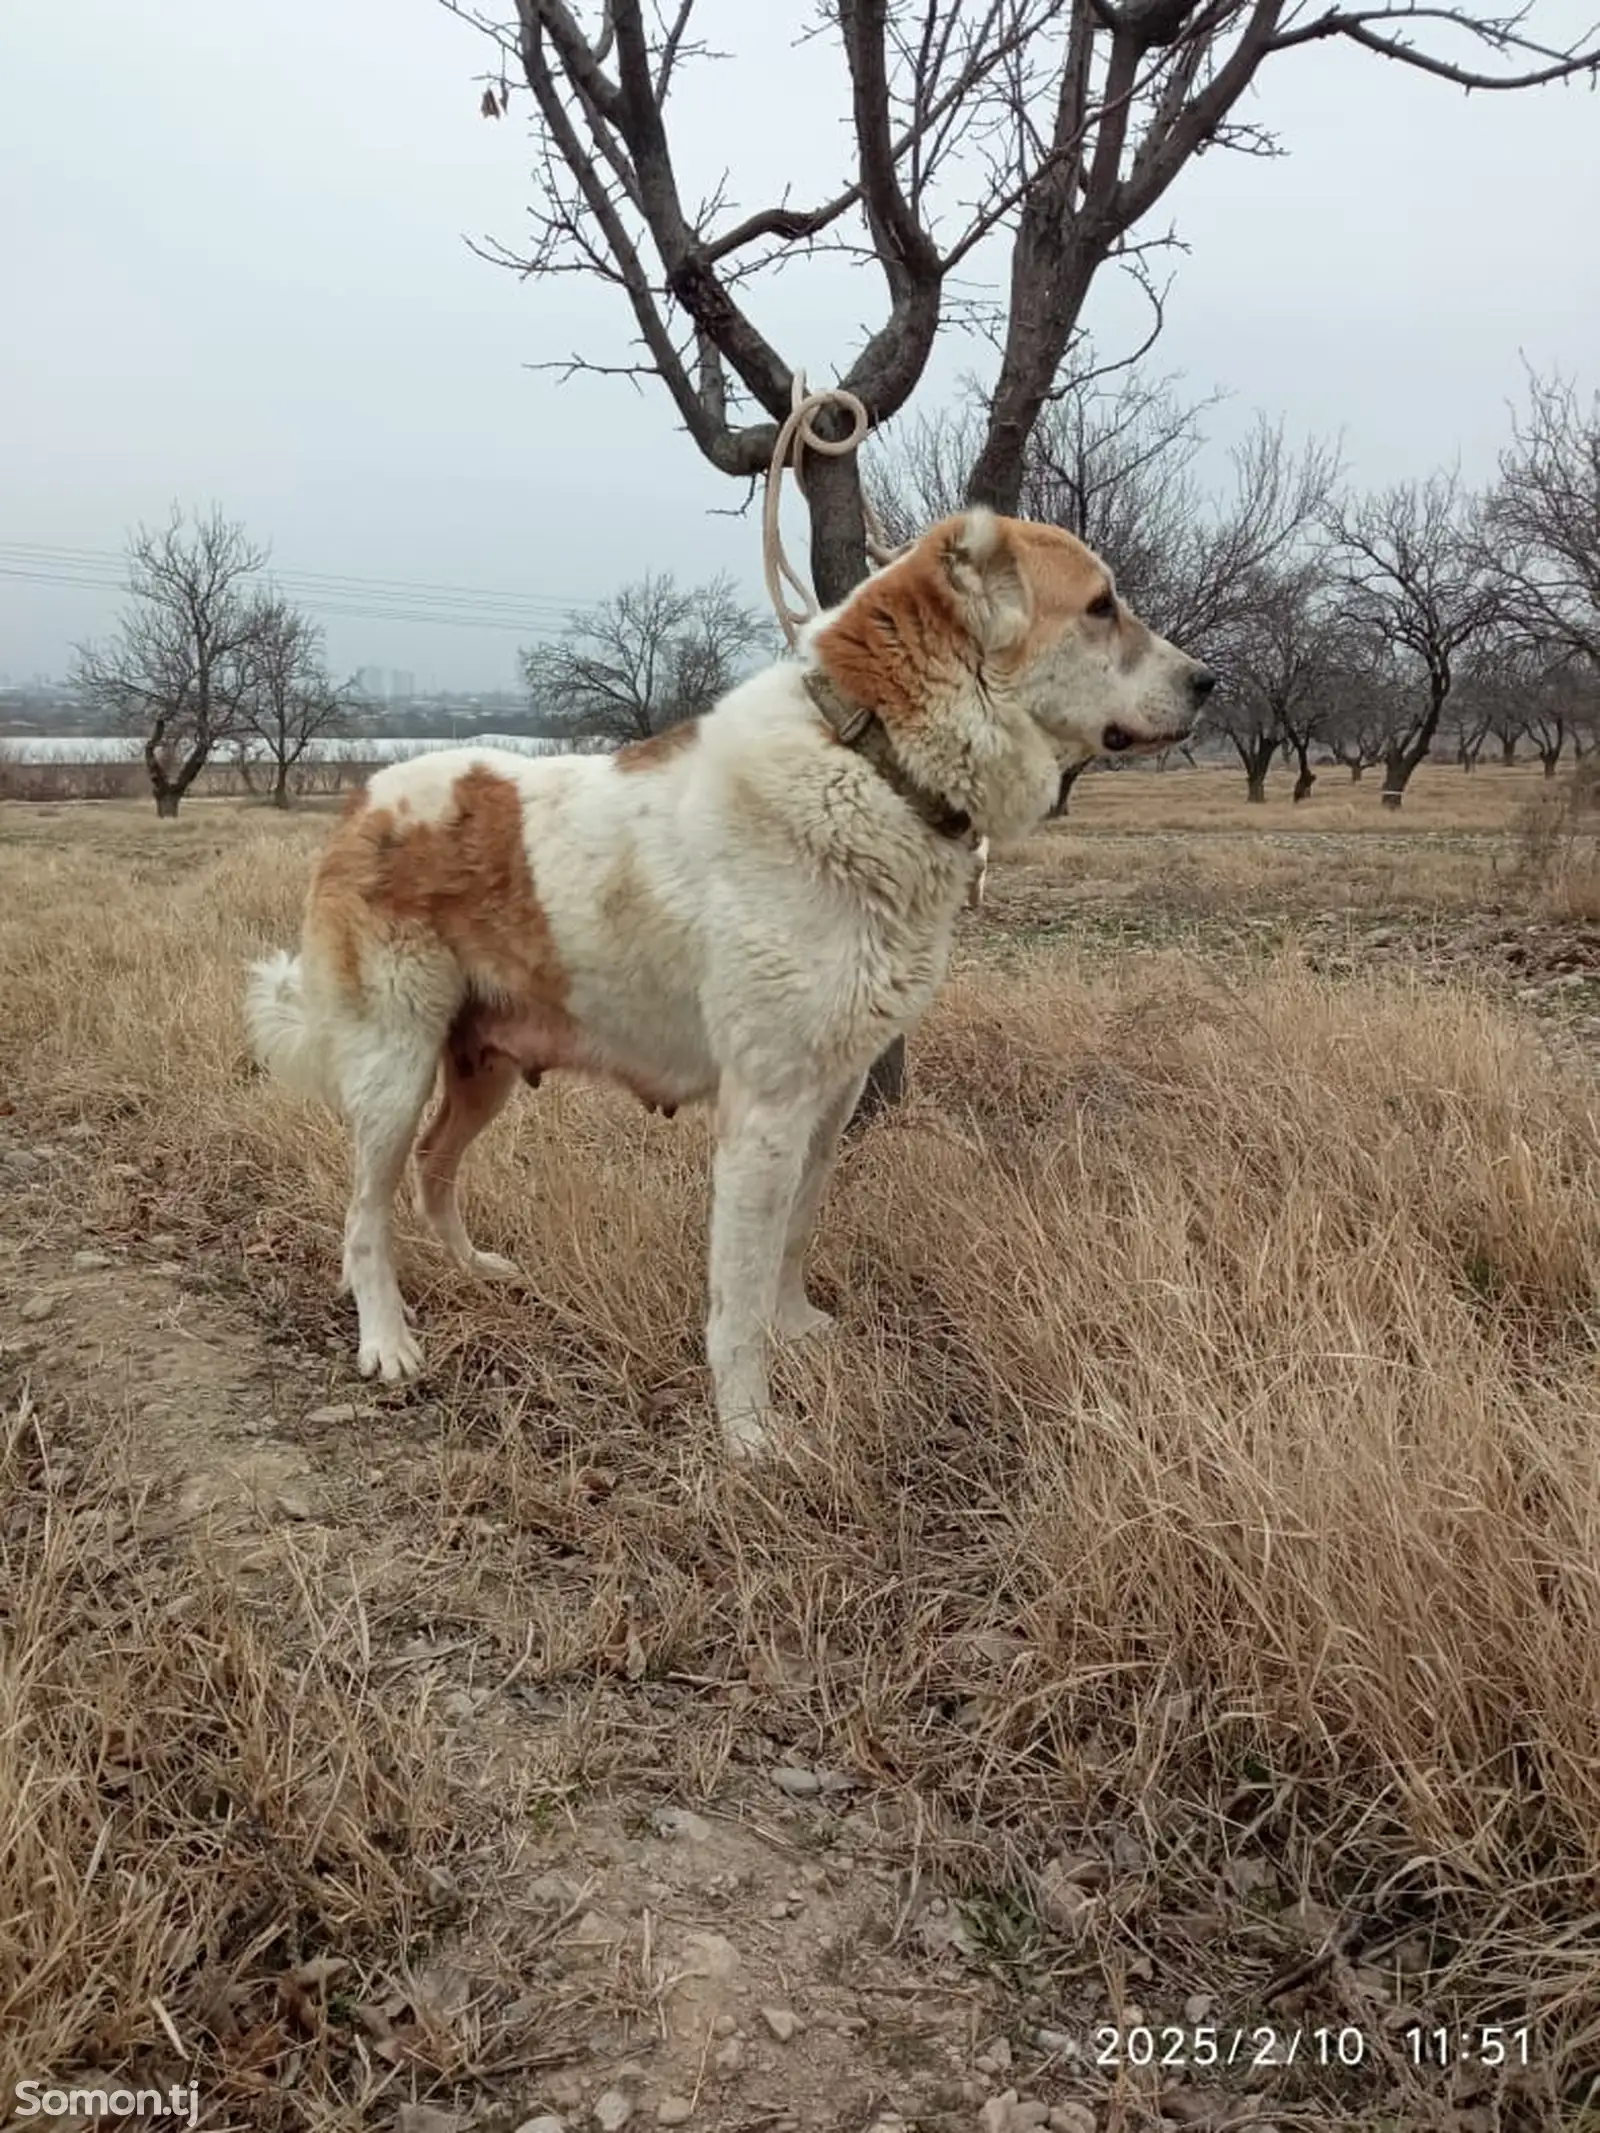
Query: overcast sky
x: 233, y: 268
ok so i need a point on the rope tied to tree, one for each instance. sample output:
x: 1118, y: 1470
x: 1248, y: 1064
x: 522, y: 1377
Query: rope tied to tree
x: 797, y: 436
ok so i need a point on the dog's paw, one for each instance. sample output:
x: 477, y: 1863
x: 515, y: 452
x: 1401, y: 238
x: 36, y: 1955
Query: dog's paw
x: 394, y: 1356
x: 800, y: 1320
x: 746, y: 1437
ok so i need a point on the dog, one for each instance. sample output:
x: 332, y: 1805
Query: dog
x: 744, y: 910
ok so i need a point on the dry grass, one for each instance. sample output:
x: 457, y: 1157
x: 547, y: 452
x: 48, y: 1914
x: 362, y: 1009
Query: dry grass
x: 1440, y: 798
x: 1209, y: 1458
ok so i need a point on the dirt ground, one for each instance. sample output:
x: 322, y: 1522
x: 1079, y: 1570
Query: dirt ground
x: 364, y: 1767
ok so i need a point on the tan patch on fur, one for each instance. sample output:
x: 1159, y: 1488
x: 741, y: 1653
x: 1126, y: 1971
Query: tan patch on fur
x: 462, y: 882
x: 904, y: 642
x: 659, y: 748
x: 1063, y: 577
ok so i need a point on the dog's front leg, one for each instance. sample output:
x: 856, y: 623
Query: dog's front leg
x: 796, y: 1315
x: 762, y: 1144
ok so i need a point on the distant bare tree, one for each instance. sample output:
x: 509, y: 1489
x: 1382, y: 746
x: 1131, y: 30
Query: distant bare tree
x: 288, y: 699
x: 1508, y: 725
x: 654, y: 653
x: 176, y: 672
x: 1276, y: 660
x: 1543, y: 517
x: 1561, y: 705
x: 1362, y: 698
x: 1415, y: 575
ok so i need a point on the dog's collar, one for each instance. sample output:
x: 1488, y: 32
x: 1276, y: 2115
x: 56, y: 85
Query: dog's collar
x: 859, y: 727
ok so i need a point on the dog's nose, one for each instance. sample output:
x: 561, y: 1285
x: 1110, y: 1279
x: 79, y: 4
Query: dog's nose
x: 1201, y: 683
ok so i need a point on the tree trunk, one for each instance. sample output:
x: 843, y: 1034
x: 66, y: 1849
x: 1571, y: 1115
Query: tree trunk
x: 1402, y: 757
x: 838, y: 565
x: 1305, y: 776
x: 838, y: 529
x: 1050, y: 278
x: 280, y: 786
x: 1069, y: 778
x: 1355, y: 772
x: 1508, y: 751
x: 1550, y: 757
x: 167, y: 798
x: 1256, y: 757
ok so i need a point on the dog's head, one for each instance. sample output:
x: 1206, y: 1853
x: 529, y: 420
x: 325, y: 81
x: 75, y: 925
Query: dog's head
x: 1020, y: 624
x: 1052, y: 633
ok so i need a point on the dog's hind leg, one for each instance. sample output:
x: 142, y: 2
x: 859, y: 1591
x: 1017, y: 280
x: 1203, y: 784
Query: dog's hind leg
x: 384, y: 1086
x: 762, y: 1144
x: 795, y: 1315
x: 475, y: 1090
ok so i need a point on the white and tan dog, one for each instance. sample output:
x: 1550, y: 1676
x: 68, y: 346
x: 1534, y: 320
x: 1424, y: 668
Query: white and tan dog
x: 747, y: 908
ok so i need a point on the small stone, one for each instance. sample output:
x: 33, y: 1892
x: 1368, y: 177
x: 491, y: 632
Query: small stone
x: 339, y: 1411
x: 293, y: 1501
x: 724, y: 2026
x: 612, y: 2110
x: 1007, y: 2114
x: 1057, y: 2042
x: 546, y: 2122
x: 681, y: 1822
x: 37, y: 1308
x: 1198, y: 2005
x: 798, y: 1784
x: 783, y: 2022
x: 779, y: 1910
x: 1066, y: 1904
x: 1071, y: 2118
x: 426, y: 2118
x: 674, y: 2111
x: 729, y: 2057
x: 91, y: 1262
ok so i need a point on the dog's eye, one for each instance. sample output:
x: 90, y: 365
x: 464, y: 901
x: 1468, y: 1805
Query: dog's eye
x: 1104, y: 607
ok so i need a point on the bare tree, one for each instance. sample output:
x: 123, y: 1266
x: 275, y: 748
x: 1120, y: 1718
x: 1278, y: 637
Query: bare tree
x: 1492, y: 694
x: 1360, y: 710
x: 1055, y: 127
x: 1508, y: 725
x: 176, y: 672
x: 1561, y: 704
x: 1413, y: 564
x: 1276, y: 660
x: 653, y: 654
x: 288, y: 699
x: 1543, y: 516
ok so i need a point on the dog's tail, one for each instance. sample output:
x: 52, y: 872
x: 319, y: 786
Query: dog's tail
x: 283, y: 1031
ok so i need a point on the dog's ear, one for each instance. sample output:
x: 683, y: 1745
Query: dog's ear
x: 982, y: 568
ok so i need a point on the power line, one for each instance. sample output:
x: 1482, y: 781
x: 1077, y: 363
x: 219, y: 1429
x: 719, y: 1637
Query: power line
x: 325, y: 592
